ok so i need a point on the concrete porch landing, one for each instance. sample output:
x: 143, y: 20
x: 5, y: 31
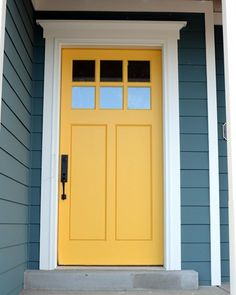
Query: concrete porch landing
x: 110, y: 280
x: 201, y: 291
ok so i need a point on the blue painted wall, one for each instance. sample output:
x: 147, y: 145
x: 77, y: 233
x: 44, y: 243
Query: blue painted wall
x: 16, y: 144
x: 195, y: 223
x: 222, y: 155
x: 36, y: 149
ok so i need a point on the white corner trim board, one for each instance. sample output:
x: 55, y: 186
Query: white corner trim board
x: 3, y: 4
x: 54, y: 40
x: 60, y: 34
x: 213, y: 153
x: 230, y: 88
x: 214, y: 190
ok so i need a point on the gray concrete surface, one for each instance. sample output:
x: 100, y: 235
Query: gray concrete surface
x: 110, y: 280
x: 226, y: 287
x: 201, y: 291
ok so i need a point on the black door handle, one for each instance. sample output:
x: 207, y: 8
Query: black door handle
x: 64, y: 174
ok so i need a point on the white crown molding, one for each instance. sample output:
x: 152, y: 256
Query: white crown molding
x: 111, y: 30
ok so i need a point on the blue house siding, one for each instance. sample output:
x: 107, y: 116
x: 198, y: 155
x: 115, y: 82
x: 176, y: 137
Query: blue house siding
x: 222, y: 155
x: 195, y: 222
x: 36, y: 149
x: 15, y: 144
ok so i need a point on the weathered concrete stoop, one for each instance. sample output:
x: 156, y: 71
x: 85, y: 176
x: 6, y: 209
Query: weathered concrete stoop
x: 110, y: 280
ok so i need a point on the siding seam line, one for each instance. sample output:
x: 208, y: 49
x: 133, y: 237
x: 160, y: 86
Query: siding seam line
x: 15, y: 137
x: 16, y: 94
x: 25, y: 185
x: 25, y: 87
x: 16, y: 27
x: 12, y: 268
x: 13, y: 44
x: 23, y: 125
x: 13, y: 157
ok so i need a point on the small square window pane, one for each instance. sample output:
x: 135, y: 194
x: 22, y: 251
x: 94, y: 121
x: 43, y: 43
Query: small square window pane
x: 111, y: 97
x: 83, y: 97
x: 111, y: 71
x: 83, y: 70
x: 138, y: 71
x: 139, y: 98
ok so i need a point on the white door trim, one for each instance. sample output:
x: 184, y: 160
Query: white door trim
x: 60, y: 34
x: 3, y: 6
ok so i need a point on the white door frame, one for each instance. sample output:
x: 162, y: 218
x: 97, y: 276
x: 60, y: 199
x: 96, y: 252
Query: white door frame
x: 119, y: 34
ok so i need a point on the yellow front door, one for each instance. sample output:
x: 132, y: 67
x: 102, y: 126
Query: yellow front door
x: 111, y: 131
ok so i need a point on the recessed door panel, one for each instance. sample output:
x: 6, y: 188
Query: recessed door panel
x: 88, y: 183
x: 134, y: 183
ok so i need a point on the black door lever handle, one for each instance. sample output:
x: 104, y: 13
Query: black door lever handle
x: 64, y: 174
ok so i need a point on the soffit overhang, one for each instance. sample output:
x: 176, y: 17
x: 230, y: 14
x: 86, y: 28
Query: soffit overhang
x: 113, y: 5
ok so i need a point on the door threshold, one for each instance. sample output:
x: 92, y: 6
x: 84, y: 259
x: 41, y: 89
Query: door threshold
x: 129, y: 268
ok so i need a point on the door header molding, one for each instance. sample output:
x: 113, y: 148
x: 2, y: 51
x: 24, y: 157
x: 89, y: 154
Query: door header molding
x: 112, y: 32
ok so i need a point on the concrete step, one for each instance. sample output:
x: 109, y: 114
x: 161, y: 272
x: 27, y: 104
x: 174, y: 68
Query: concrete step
x: 200, y: 291
x: 110, y: 280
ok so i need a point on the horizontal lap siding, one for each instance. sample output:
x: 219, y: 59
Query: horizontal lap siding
x: 195, y: 223
x: 15, y: 145
x: 36, y: 149
x: 222, y: 155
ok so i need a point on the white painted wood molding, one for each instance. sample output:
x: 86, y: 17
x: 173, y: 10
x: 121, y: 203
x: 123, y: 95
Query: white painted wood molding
x: 230, y: 91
